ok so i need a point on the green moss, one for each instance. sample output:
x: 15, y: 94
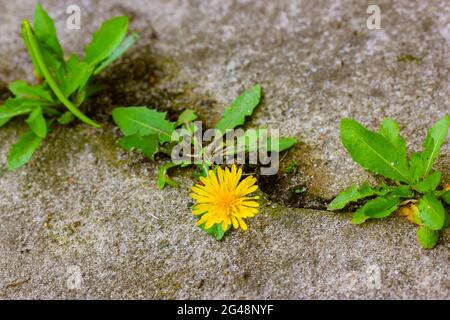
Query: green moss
x: 408, y: 57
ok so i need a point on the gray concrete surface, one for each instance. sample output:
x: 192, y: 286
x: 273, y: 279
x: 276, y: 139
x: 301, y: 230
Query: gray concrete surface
x: 85, y: 220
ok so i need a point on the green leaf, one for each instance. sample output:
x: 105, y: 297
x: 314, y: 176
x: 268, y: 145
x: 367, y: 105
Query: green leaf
x: 427, y: 238
x: 417, y: 166
x: 429, y: 184
x: 37, y: 123
x: 446, y: 197
x: 106, y: 39
x: 66, y: 118
x: 26, y: 40
x: 187, y: 115
x: 163, y: 177
x: 389, y: 129
x: 45, y: 31
x: 22, y: 150
x: 53, y: 65
x: 359, y: 217
x: 143, y: 121
x: 373, y: 151
x: 36, y: 52
x: 21, y: 89
x: 148, y: 145
x: 433, y: 142
x: 16, y: 107
x: 120, y: 50
x: 377, y: 208
x: 352, y: 194
x: 50, y: 111
x: 280, y: 143
x: 3, y: 120
x: 16, y: 103
x: 215, y: 230
x: 76, y: 76
x: 241, y: 107
x: 447, y: 220
x: 432, y: 212
x: 49, y: 47
x: 401, y: 192
x: 252, y: 140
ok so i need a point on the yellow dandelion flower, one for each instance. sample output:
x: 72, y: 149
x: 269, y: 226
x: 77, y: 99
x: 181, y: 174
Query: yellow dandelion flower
x: 222, y: 199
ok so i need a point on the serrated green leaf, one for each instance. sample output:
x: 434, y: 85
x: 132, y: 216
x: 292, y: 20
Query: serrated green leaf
x: 241, y: 107
x: 432, y: 212
x: 143, y: 121
x: 106, y: 39
x: 37, y: 123
x: 148, y: 145
x: 16, y: 107
x: 427, y: 238
x: 389, y: 129
x: 446, y: 197
x: 45, y: 31
x: 163, y: 177
x: 429, y: 184
x: 373, y: 151
x: 22, y: 150
x: 377, y: 208
x: 120, y: 50
x: 187, y: 115
x: 76, y: 76
x: 21, y: 89
x: 352, y: 194
x: 433, y: 143
x: 66, y: 118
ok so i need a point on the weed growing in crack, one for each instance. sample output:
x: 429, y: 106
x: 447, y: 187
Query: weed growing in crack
x: 64, y: 84
x: 149, y: 132
x: 414, y: 191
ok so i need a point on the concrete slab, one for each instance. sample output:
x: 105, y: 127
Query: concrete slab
x: 85, y: 220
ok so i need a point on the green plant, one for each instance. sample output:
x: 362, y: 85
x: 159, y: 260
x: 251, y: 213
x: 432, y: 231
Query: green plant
x: 64, y: 84
x: 292, y: 167
x: 148, y: 131
x: 414, y: 184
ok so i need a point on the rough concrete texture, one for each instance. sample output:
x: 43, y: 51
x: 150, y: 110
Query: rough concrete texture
x: 84, y: 207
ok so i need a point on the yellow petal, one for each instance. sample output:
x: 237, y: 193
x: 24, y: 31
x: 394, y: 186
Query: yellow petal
x: 202, y: 220
x: 201, y: 191
x: 226, y: 224
x: 253, y: 204
x: 235, y: 222
x: 220, y: 175
x: 242, y: 224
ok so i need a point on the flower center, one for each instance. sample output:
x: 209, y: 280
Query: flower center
x: 227, y: 201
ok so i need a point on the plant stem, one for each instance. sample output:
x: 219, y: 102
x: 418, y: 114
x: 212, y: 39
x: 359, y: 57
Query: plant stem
x: 204, y: 169
x: 36, y: 52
